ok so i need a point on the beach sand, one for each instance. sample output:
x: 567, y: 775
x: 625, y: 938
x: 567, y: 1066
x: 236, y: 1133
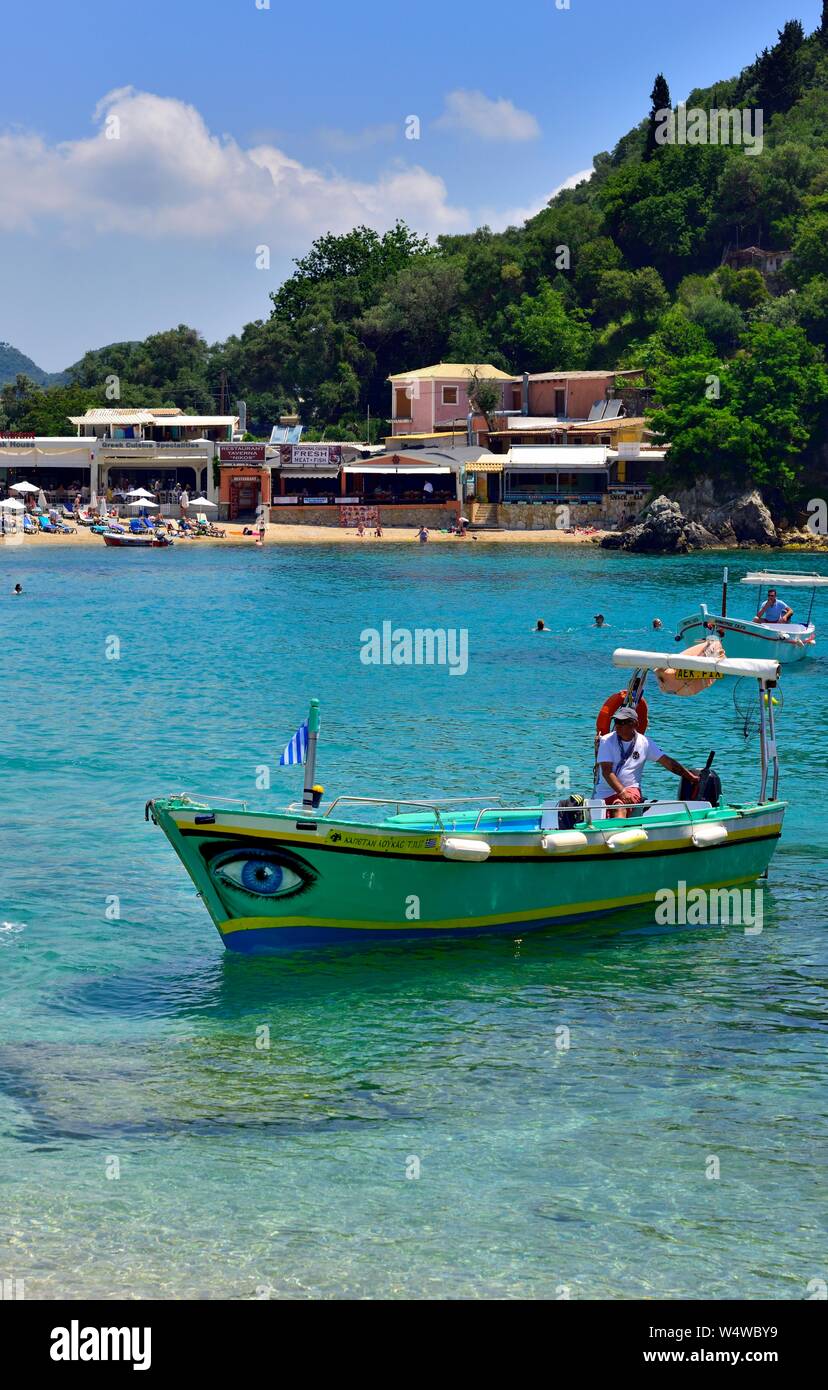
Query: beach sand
x: 319, y: 535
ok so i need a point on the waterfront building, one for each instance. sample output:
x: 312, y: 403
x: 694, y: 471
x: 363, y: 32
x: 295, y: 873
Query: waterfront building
x: 436, y: 398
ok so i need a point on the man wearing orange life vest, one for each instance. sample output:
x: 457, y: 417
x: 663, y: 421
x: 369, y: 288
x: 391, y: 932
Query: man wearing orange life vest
x: 621, y: 757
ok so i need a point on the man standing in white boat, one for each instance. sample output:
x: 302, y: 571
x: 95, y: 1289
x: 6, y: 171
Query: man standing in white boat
x: 621, y: 757
x: 773, y: 610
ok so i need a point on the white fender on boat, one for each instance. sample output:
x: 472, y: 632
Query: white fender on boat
x: 709, y: 835
x: 473, y: 851
x: 563, y: 839
x: 625, y: 839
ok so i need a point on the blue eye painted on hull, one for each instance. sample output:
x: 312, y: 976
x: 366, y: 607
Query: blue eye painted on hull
x: 263, y: 873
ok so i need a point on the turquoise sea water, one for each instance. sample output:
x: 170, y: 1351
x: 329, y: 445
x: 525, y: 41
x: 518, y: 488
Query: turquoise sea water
x: 130, y: 1045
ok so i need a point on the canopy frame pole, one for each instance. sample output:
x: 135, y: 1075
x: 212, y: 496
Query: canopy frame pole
x: 314, y: 722
x: 774, y: 756
x: 763, y: 741
x: 811, y: 606
x: 724, y: 593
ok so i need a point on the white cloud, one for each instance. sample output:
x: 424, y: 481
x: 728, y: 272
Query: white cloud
x: 479, y: 115
x: 498, y: 219
x: 168, y: 175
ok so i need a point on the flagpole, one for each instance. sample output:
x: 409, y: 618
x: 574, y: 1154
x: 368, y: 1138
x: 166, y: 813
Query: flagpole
x: 310, y: 763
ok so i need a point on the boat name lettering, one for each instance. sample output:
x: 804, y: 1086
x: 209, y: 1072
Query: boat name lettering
x: 376, y: 841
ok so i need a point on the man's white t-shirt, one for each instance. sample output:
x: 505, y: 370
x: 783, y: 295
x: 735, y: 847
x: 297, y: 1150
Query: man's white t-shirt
x: 612, y: 750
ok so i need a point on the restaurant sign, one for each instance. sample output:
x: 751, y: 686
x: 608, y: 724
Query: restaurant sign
x: 310, y: 455
x: 242, y: 453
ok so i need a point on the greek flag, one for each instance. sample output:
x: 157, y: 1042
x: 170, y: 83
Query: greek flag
x: 296, y: 751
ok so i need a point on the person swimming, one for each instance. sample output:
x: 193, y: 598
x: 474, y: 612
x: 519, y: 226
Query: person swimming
x: 600, y: 621
x: 540, y: 626
x: 18, y: 589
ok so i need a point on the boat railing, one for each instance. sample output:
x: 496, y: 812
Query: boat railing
x: 425, y: 805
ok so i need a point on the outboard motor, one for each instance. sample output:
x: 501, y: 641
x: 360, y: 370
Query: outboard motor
x: 571, y: 812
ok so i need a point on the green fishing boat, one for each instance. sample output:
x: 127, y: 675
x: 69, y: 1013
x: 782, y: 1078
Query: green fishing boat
x: 368, y: 869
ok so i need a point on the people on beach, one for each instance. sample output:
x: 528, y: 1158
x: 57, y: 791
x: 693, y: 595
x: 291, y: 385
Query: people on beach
x: 378, y: 532
x: 422, y: 535
x: 184, y: 502
x: 621, y: 757
x: 773, y: 610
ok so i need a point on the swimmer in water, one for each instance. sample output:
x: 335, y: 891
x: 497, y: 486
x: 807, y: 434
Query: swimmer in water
x: 18, y: 589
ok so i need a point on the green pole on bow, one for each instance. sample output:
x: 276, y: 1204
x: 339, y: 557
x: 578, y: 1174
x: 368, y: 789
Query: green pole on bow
x: 314, y: 721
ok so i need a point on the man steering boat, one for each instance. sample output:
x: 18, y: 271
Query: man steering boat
x: 621, y: 757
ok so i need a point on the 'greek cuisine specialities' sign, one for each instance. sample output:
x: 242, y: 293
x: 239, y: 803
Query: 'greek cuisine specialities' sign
x: 310, y: 455
x: 242, y: 453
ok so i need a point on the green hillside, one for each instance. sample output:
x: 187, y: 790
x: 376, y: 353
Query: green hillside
x: 14, y: 363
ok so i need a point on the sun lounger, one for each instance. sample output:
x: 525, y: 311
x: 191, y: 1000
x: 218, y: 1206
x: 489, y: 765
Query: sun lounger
x: 205, y: 527
x: 29, y: 527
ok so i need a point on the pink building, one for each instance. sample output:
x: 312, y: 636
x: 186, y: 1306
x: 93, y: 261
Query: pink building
x: 435, y: 398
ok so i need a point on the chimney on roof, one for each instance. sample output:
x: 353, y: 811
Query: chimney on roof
x: 524, y: 395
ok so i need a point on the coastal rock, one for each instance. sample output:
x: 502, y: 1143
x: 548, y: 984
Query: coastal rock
x: 613, y: 540
x: 699, y: 538
x: 661, y: 529
x: 746, y: 517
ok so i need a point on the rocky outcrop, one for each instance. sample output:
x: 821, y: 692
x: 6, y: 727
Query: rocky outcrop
x: 746, y: 517
x: 660, y: 529
x: 694, y: 520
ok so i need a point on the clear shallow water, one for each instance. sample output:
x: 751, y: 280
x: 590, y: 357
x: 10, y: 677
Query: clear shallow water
x: 248, y: 1172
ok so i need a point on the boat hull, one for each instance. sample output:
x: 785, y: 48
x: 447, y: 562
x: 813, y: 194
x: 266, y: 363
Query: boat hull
x: 782, y: 642
x: 133, y: 542
x: 272, y: 882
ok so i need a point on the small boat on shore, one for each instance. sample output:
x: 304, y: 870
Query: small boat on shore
x: 129, y: 540
x: 369, y: 869
x: 785, y: 642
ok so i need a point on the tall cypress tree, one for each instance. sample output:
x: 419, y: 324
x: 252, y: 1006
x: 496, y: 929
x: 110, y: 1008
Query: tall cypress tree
x: 779, y: 82
x: 823, y: 28
x: 660, y: 98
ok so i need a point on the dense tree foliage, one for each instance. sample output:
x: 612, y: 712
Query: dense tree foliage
x: 627, y: 269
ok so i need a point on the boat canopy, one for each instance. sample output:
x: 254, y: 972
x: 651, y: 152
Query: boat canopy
x: 791, y: 581
x: 727, y: 666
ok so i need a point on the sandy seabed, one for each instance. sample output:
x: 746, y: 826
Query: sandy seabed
x: 321, y: 535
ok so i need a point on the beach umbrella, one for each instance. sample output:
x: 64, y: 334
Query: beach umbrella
x: 24, y: 487
x: 11, y: 504
x: 142, y: 502
x: 203, y: 502
x: 41, y: 500
x: 138, y: 492
x: 104, y: 510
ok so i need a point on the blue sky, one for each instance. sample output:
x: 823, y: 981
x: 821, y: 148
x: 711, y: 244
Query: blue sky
x: 239, y: 127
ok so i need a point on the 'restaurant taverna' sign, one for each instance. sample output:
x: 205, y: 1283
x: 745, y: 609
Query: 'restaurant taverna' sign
x: 242, y: 453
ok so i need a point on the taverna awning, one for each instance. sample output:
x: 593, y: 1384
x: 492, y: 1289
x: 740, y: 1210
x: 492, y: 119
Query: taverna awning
x: 552, y: 459
x: 370, y: 469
